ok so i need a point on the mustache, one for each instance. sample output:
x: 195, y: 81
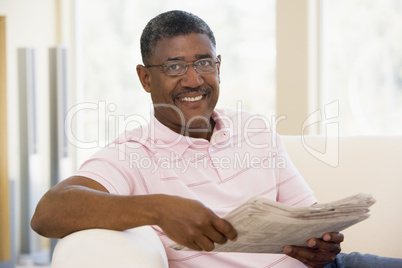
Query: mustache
x: 188, y: 90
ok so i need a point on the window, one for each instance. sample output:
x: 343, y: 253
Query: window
x: 362, y: 64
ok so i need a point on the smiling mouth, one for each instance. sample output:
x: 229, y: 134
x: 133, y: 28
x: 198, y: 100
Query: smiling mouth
x: 192, y: 94
x: 192, y: 99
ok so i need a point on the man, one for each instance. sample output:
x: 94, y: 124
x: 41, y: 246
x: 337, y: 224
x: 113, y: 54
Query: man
x: 178, y: 174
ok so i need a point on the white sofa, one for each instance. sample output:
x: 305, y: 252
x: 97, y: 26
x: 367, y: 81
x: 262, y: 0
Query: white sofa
x: 138, y: 247
x: 333, y: 167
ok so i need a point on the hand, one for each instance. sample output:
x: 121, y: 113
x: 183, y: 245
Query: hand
x: 191, y: 224
x: 320, y: 251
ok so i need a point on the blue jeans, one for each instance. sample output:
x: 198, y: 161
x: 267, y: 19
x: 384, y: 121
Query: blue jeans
x: 357, y: 260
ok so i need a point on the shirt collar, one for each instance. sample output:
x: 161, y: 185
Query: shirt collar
x: 160, y: 136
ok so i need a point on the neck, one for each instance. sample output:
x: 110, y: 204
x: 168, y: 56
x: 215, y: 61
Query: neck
x: 199, y: 130
x: 195, y: 127
x: 203, y: 132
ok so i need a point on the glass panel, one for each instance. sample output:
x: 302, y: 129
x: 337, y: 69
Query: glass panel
x: 109, y: 33
x: 362, y: 64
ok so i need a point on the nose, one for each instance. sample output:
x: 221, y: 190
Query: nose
x: 191, y: 78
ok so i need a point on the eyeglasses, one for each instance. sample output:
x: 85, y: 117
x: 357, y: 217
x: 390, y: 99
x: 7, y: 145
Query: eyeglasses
x: 177, y: 68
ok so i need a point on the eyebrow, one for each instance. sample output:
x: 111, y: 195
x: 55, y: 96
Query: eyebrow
x: 197, y: 57
x: 203, y: 56
x: 175, y: 59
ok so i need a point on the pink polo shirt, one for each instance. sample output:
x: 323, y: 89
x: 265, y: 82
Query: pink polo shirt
x: 243, y: 159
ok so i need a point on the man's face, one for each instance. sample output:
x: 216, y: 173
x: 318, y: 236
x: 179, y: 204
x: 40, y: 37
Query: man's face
x: 189, y: 99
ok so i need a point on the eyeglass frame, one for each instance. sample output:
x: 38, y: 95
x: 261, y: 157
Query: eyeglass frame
x: 186, y: 66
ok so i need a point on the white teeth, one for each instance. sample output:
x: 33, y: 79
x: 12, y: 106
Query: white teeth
x: 191, y: 99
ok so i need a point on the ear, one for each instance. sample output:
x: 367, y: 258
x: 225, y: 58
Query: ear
x: 145, y: 77
x: 219, y: 68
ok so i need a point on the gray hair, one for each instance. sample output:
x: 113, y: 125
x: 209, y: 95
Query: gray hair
x: 171, y: 24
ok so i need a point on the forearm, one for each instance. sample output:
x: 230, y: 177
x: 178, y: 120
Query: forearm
x: 79, y: 203
x: 67, y: 209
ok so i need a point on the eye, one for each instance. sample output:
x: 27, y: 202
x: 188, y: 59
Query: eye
x: 204, y: 63
x: 172, y: 67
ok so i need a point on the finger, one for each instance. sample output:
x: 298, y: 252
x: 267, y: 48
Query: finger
x: 216, y: 236
x: 225, y: 228
x: 193, y: 245
x: 302, y: 254
x: 323, y: 245
x: 310, y: 257
x: 335, y: 237
x: 205, y: 243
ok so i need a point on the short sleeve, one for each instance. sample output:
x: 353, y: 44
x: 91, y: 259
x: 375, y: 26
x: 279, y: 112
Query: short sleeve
x: 111, y: 169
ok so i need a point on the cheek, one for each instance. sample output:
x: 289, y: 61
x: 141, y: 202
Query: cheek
x: 214, y: 83
x: 169, y: 88
x: 162, y: 90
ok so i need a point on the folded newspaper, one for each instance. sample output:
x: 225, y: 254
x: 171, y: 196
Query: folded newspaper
x: 266, y: 226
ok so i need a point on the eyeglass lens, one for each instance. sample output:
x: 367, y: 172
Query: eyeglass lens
x: 180, y: 67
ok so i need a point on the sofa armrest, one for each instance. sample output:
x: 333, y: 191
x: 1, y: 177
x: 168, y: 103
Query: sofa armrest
x: 138, y: 247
